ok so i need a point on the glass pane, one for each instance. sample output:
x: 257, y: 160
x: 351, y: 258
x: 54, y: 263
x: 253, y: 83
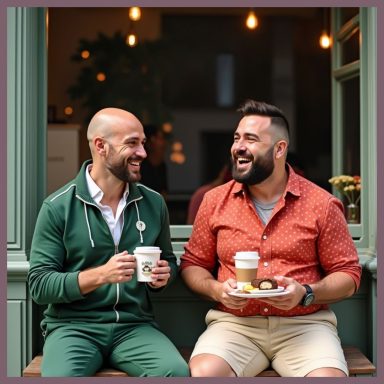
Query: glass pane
x: 351, y: 48
x: 351, y: 145
x: 351, y: 126
x: 348, y: 13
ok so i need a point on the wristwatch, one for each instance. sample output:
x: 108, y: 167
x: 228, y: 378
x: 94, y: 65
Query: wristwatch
x: 309, y: 297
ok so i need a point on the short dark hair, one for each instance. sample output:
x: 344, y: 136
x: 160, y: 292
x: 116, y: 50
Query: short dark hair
x: 253, y: 107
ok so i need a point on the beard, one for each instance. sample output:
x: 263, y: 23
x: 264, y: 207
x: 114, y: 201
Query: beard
x: 261, y: 169
x: 119, y: 168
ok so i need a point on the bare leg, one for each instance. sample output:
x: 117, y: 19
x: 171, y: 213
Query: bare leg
x: 207, y: 365
x: 326, y: 372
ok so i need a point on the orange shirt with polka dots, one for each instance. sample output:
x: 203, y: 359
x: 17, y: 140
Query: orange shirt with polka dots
x: 306, y: 238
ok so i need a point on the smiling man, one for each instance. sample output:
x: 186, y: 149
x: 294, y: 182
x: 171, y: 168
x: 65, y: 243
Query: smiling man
x: 82, y: 262
x: 302, y: 238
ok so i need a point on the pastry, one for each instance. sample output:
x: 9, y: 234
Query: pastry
x: 264, y: 283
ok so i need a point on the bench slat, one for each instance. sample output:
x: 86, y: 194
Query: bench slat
x: 358, y: 365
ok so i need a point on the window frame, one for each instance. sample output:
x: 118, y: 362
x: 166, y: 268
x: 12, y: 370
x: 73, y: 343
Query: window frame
x: 364, y: 233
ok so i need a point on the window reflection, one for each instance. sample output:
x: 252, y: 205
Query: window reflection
x: 348, y: 13
x: 351, y: 47
x: 351, y: 126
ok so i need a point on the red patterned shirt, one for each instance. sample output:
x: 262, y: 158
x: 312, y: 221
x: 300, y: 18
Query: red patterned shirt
x: 306, y: 238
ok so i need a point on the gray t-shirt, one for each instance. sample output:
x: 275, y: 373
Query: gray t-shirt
x: 264, y: 210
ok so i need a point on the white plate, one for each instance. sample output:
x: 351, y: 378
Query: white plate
x: 255, y: 294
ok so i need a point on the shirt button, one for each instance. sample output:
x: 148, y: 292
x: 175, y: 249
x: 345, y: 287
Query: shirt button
x: 266, y: 309
x: 265, y: 237
x: 265, y: 264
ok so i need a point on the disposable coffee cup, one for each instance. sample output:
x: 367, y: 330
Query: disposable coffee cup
x: 246, y: 265
x: 146, y: 259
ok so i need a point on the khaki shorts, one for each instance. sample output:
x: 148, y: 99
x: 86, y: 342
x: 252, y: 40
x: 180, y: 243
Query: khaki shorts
x: 293, y: 346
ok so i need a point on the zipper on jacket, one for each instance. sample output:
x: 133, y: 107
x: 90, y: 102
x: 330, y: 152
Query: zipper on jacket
x: 117, y: 251
x: 116, y: 247
x: 117, y: 286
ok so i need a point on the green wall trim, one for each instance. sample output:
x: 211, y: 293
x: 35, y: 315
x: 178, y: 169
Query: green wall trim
x: 17, y: 270
x: 26, y: 158
x: 26, y: 124
x: 348, y: 29
x: 347, y: 71
x: 180, y: 231
x: 365, y: 233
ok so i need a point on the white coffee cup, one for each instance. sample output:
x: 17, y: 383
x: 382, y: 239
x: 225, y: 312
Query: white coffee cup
x: 246, y: 264
x: 146, y: 259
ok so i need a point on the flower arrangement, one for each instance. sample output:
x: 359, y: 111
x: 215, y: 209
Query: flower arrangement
x: 349, y: 186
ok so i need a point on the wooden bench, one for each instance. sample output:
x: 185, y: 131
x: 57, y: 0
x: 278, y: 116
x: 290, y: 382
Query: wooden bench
x: 358, y: 365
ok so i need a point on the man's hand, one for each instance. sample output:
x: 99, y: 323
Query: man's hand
x: 295, y: 294
x: 160, y: 274
x: 119, y: 269
x: 230, y: 301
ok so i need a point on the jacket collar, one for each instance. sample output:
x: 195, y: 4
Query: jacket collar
x: 83, y: 192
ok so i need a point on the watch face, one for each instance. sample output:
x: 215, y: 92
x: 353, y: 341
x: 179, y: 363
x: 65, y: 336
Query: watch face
x: 308, y: 299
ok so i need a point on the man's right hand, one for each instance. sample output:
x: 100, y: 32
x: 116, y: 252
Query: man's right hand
x: 230, y: 301
x: 119, y: 269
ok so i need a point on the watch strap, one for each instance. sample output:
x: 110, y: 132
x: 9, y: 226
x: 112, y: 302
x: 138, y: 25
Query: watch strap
x: 308, y: 291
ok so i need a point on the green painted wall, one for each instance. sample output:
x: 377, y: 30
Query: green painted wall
x: 26, y: 133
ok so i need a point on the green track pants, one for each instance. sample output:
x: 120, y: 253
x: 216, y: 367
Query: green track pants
x: 80, y: 349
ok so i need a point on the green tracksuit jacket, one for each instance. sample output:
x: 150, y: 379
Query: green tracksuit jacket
x: 71, y: 235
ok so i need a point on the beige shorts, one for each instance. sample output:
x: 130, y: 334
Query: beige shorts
x: 293, y: 346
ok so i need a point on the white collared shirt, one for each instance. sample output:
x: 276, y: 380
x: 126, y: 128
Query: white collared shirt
x: 115, y: 223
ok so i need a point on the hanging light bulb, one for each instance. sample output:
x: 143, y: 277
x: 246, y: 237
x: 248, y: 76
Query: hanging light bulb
x: 325, y: 40
x: 251, y: 21
x: 101, y: 76
x: 68, y: 111
x: 85, y: 54
x: 134, y: 13
x: 131, y: 40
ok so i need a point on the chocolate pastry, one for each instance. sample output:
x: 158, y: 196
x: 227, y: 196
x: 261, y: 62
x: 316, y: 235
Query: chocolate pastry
x: 264, y: 283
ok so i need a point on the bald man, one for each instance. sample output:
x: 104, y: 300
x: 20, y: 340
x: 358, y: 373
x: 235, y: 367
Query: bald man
x: 82, y: 265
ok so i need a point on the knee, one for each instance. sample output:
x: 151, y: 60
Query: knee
x: 181, y: 369
x: 327, y: 372
x: 178, y: 368
x: 210, y: 366
x: 61, y: 369
x: 201, y: 369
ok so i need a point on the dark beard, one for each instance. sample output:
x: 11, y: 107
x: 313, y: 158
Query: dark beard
x: 122, y: 173
x: 261, y: 169
x: 120, y: 170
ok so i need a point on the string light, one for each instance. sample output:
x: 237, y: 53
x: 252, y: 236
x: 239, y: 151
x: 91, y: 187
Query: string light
x: 177, y: 156
x: 167, y: 127
x: 134, y: 13
x: 131, y: 40
x: 85, y: 54
x: 252, y: 21
x: 68, y: 111
x: 325, y: 40
x: 101, y: 76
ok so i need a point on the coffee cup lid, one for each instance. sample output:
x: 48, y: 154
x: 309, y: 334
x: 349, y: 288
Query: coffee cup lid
x: 247, y: 255
x: 147, y: 250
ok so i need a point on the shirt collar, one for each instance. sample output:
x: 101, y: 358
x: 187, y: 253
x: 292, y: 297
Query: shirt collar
x: 95, y: 191
x: 293, y: 184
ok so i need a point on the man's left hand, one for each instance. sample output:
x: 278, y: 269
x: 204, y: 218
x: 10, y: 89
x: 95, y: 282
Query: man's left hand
x: 160, y: 274
x: 286, y: 302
